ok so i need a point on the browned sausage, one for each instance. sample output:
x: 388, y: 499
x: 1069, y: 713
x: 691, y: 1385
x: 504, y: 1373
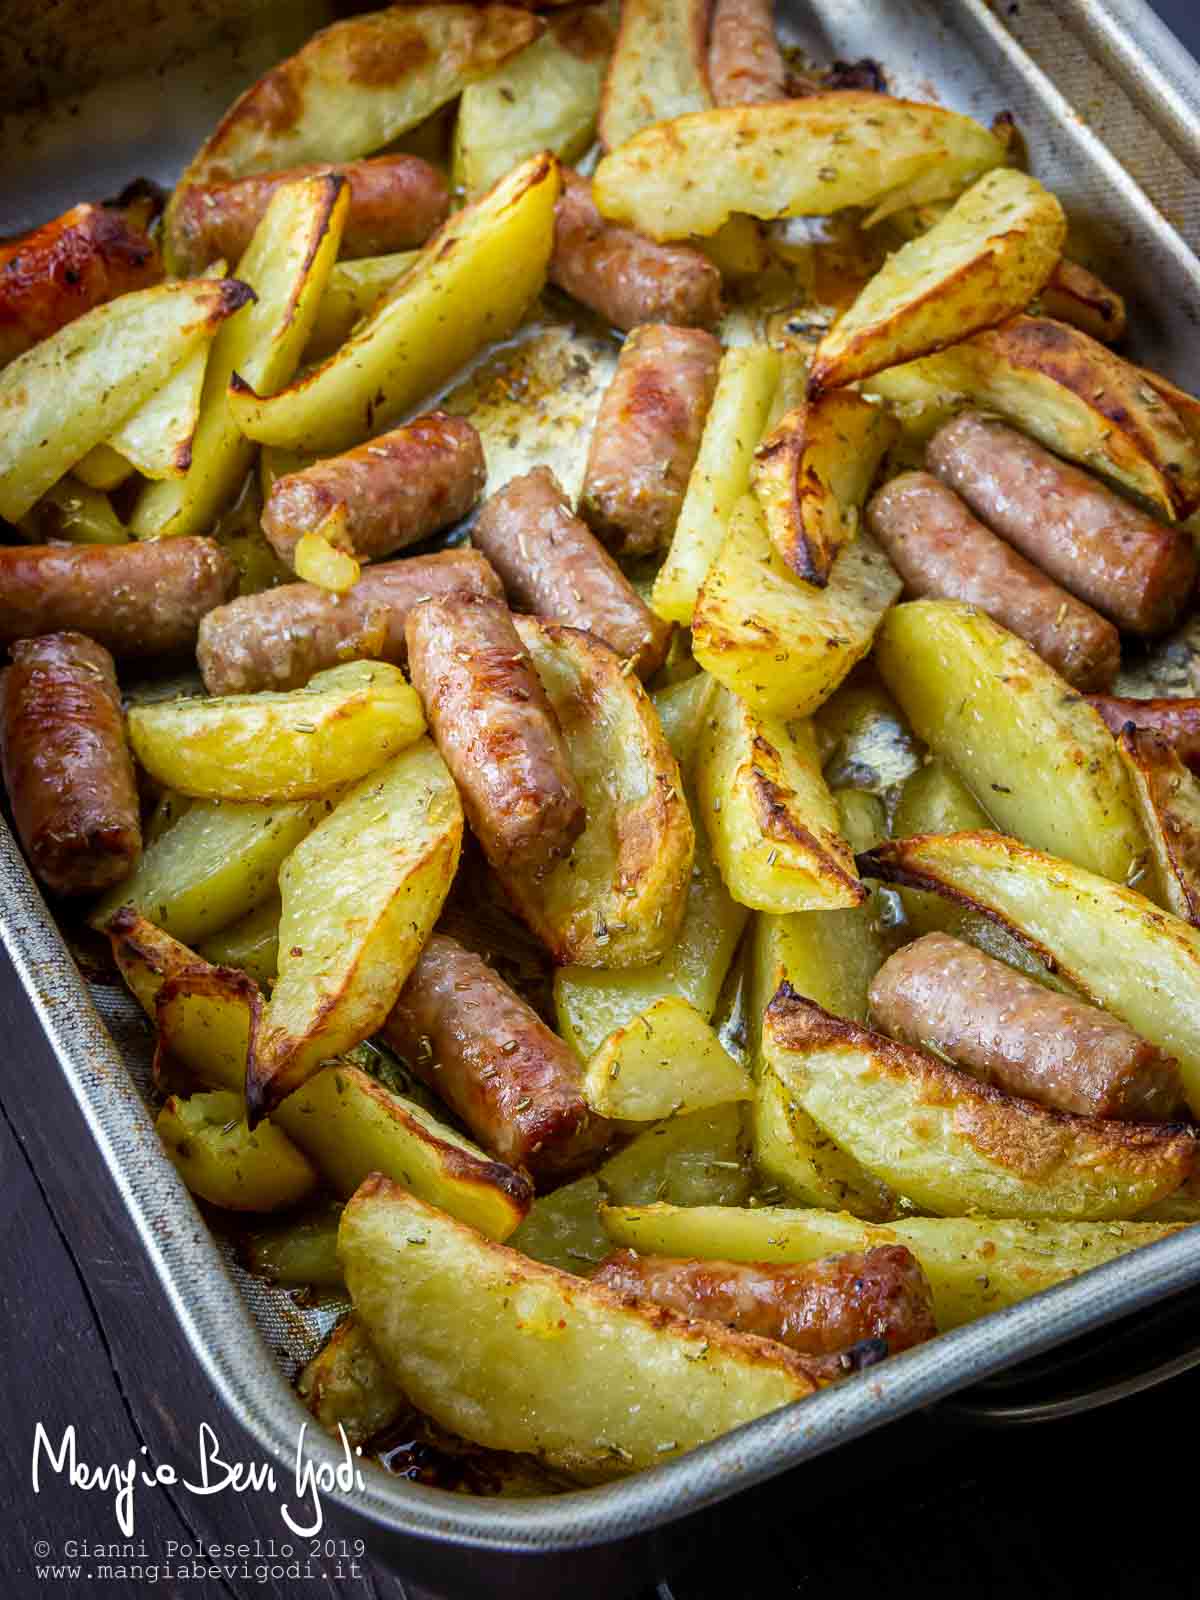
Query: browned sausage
x: 66, y: 267
x: 516, y: 1086
x: 496, y: 729
x: 396, y: 202
x: 623, y: 276
x: 397, y: 488
x: 1132, y: 568
x: 1005, y: 1029
x: 278, y: 639
x: 66, y: 764
x: 939, y: 549
x: 647, y: 435
x: 1177, y: 722
x: 816, y: 1308
x: 551, y: 564
x: 745, y: 65
x: 134, y: 599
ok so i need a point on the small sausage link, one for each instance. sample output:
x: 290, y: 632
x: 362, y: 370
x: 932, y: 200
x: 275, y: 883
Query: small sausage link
x: 816, y: 1308
x: 496, y: 729
x: 134, y: 599
x: 514, y: 1083
x: 1177, y: 722
x: 551, y: 564
x: 1005, y: 1029
x: 396, y: 202
x: 397, y: 489
x: 279, y: 638
x: 1132, y: 568
x: 745, y: 64
x: 624, y: 277
x: 939, y: 549
x: 66, y: 763
x: 647, y: 434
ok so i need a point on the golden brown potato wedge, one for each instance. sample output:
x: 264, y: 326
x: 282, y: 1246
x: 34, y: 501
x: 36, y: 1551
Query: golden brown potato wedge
x: 353, y: 289
x: 347, y: 1386
x: 973, y: 1265
x: 665, y: 1063
x: 360, y: 896
x: 1117, y: 948
x: 343, y: 724
x: 519, y: 1356
x: 799, y: 1159
x: 1168, y: 802
x: 619, y: 898
x: 563, y: 1228
x: 251, y: 944
x: 659, y: 67
x: 1026, y: 743
x: 72, y: 511
x: 300, y: 1253
x: 471, y: 283
x: 1069, y: 392
x: 955, y: 1147
x: 866, y: 742
x: 781, y: 644
x: 146, y: 957
x: 102, y: 468
x: 812, y: 474
x: 790, y: 158
x: 224, y: 1162
x: 982, y: 262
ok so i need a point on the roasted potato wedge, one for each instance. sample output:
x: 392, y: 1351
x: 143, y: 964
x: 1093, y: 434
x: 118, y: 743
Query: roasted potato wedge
x: 320, y: 557
x: 354, y: 88
x: 1112, y: 944
x: 72, y: 511
x: 812, y: 474
x: 350, y: 1125
x: 1168, y: 802
x: 546, y: 98
x: 1076, y: 295
x: 206, y: 1018
x: 973, y: 1265
x: 781, y: 644
x: 563, y: 1228
x: 287, y: 263
x: 299, y: 1253
x: 746, y: 383
x: 217, y: 863
x: 866, y: 742
x: 659, y: 68
x: 109, y: 361
x: 805, y: 1164
x: 772, y: 822
x: 1031, y: 748
x: 251, y: 944
x: 953, y: 1146
x: 146, y: 957
x: 353, y: 290
x: 790, y: 158
x: 664, y: 1063
x: 471, y: 283
x: 360, y: 897
x: 695, y: 1160
x: 220, y: 1159
x: 347, y: 1386
x: 619, y: 898
x: 344, y: 723
x: 1069, y: 392
x: 985, y: 260
x: 102, y: 468
x: 519, y: 1356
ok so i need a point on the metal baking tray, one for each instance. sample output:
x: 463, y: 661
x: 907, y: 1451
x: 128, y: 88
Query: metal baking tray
x: 97, y: 93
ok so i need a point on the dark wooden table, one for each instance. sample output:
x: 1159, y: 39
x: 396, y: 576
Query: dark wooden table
x: 1100, y: 1506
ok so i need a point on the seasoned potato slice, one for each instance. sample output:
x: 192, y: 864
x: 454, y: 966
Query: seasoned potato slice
x: 1031, y: 748
x: 695, y: 1160
x: 360, y: 897
x: 519, y: 1356
x: 812, y: 474
x: 72, y: 511
x: 1168, y: 802
x: 805, y: 1164
x: 299, y: 1254
x: 546, y: 98
x: 973, y: 1265
x: 157, y: 438
x: 790, y: 158
x: 214, y: 865
x: 221, y: 1160
x: 985, y: 260
x: 102, y: 468
x: 954, y: 1146
x: 563, y: 1228
x: 471, y: 283
x: 1116, y: 948
x: 1072, y: 394
x: 351, y: 293
x: 354, y: 87
x: 741, y: 401
x: 320, y: 557
x: 618, y: 899
x: 146, y: 956
x: 346, y: 1385
x: 665, y: 1062
x: 206, y: 1018
x: 781, y: 644
x: 251, y: 944
x: 351, y: 1126
x: 287, y: 263
x: 659, y: 68
x: 772, y: 822
x: 106, y: 362
x: 344, y: 723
